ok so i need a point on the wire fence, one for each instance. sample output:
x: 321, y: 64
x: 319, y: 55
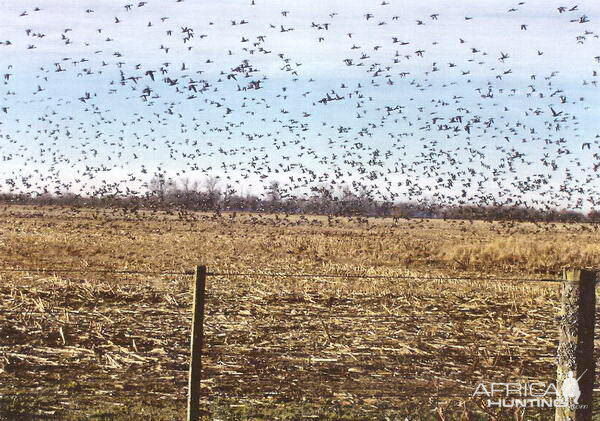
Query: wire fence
x: 86, y: 270
x: 275, y: 351
x: 174, y: 272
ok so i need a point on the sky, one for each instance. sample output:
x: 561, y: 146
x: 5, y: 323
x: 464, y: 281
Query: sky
x: 462, y: 102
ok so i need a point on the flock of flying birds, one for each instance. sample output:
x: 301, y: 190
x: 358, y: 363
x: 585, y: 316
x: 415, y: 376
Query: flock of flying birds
x: 373, y: 99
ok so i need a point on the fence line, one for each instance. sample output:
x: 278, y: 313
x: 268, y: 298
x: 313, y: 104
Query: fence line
x: 577, y: 345
x: 278, y: 275
x: 577, y: 294
x: 333, y: 275
x: 125, y: 271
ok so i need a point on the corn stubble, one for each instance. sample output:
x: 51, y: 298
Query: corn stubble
x: 76, y: 345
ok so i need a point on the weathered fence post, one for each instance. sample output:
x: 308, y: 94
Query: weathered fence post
x: 575, y: 357
x: 193, y: 413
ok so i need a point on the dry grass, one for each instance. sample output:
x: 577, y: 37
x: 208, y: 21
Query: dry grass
x: 44, y: 237
x: 116, y: 346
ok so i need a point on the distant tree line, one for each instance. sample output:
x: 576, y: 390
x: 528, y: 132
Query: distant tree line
x: 166, y: 194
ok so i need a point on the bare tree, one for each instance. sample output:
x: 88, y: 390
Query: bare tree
x: 185, y: 184
x: 160, y: 185
x: 211, y: 184
x: 274, y: 191
x: 213, y: 192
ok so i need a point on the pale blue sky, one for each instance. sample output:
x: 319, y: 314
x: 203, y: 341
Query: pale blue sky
x: 281, y: 131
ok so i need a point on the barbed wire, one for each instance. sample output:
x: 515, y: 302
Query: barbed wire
x: 354, y: 393
x: 83, y: 270
x: 316, y: 317
x: 278, y: 275
x: 362, y: 276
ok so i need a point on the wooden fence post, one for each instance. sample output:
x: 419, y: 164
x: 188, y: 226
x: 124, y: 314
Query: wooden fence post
x: 193, y: 411
x: 576, y: 342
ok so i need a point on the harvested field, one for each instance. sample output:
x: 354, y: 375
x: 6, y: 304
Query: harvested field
x: 116, y: 346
